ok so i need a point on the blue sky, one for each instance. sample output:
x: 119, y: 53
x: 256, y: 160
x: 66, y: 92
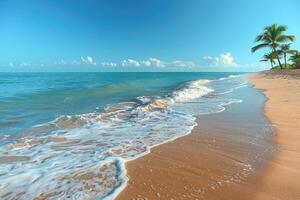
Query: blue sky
x: 138, y: 35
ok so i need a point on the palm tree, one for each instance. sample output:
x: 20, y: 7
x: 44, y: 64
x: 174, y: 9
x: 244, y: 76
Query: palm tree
x: 295, y: 58
x: 272, y: 37
x: 285, y: 49
x: 269, y: 57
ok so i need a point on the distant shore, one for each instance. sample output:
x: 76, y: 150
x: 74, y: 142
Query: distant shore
x: 223, y: 158
x: 282, y: 178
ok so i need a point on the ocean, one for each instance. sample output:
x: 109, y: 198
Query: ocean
x: 68, y: 135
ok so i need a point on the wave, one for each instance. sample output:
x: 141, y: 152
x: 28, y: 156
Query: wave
x: 230, y: 77
x: 82, y: 156
x: 194, y: 89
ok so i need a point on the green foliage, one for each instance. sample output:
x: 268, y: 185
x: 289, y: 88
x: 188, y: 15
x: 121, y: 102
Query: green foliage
x: 273, y: 37
x: 287, y: 66
x: 295, y: 59
x: 269, y: 57
x: 284, y: 50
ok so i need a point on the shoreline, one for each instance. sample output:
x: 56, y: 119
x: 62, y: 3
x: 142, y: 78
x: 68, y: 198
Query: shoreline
x: 282, y: 90
x: 159, y: 132
x: 174, y: 169
x: 115, y: 193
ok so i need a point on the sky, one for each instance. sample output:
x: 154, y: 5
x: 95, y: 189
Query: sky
x: 138, y: 35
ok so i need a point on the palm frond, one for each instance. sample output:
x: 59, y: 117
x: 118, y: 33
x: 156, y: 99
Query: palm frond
x: 285, y: 47
x: 292, y: 38
x: 280, y: 29
x: 259, y: 38
x: 259, y: 46
x: 264, y: 60
x: 293, y: 52
x: 285, y: 38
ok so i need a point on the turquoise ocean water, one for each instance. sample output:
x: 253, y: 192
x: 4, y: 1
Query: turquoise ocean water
x: 67, y: 126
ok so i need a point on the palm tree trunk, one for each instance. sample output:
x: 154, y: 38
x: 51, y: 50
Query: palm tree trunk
x: 271, y: 61
x: 285, y: 59
x: 274, y: 50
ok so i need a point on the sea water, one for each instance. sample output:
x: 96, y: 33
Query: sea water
x: 75, y: 131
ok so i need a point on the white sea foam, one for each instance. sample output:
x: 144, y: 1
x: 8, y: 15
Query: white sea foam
x: 235, y: 88
x: 82, y: 156
x: 230, y: 76
x: 234, y: 76
x: 194, y: 89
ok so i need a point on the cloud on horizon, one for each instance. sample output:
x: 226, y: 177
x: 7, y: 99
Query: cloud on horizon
x: 130, y: 63
x: 87, y: 60
x: 108, y: 64
x: 223, y: 60
x: 151, y: 62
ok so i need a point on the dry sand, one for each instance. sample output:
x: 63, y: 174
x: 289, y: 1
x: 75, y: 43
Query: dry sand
x: 282, y: 179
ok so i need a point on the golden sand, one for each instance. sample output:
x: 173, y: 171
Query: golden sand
x: 205, y: 164
x: 282, y: 179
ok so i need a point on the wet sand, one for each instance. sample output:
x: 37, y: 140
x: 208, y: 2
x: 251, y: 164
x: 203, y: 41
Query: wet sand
x: 282, y: 178
x: 8, y: 159
x: 223, y: 158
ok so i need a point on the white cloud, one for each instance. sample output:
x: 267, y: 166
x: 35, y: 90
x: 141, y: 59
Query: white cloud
x: 225, y: 59
x: 61, y: 62
x: 130, y: 62
x: 88, y: 60
x: 146, y: 63
x: 25, y: 64
x: 215, y: 60
x: 185, y: 64
x: 108, y: 64
x: 207, y: 58
x: 150, y: 62
x: 82, y: 59
x: 75, y: 62
x: 154, y: 62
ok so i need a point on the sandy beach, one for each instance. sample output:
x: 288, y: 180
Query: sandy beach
x: 200, y: 165
x: 191, y: 167
x: 283, y: 110
x: 223, y: 158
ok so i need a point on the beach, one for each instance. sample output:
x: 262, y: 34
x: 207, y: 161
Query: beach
x: 197, y: 136
x: 149, y: 100
x: 282, y: 88
x: 79, y: 147
x: 194, y: 166
x: 223, y: 158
